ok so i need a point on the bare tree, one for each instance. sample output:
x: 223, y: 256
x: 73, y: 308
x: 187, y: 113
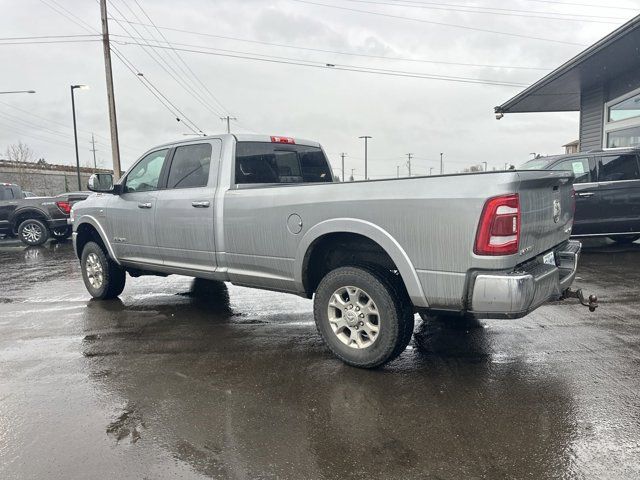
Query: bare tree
x: 20, y: 152
x: 22, y: 155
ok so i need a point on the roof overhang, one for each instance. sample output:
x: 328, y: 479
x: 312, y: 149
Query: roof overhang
x: 559, y: 91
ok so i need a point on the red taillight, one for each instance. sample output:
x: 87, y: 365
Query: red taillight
x: 65, y: 207
x: 282, y: 140
x: 499, y: 227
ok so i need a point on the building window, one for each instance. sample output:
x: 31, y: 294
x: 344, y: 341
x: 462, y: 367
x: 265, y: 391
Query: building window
x: 622, y: 121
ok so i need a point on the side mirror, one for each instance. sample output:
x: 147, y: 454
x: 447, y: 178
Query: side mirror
x: 101, y: 182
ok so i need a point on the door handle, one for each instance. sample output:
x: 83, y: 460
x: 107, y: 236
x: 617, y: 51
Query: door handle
x: 584, y: 194
x: 204, y: 204
x: 144, y: 205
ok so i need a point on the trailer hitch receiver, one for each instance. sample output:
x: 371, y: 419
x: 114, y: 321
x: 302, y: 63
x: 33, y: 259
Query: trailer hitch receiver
x: 591, y: 302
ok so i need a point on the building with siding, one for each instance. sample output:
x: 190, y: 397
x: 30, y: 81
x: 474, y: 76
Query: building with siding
x: 602, y: 83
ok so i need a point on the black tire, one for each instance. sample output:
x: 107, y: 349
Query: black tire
x: 61, y: 233
x: 625, y: 239
x: 33, y: 232
x: 112, y: 279
x: 393, y: 305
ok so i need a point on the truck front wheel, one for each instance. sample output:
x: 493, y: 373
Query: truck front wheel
x: 363, y: 315
x: 33, y: 232
x: 103, y: 278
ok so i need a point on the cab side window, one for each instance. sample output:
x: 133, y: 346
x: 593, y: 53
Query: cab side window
x: 6, y: 193
x: 618, y: 167
x: 579, y: 167
x: 145, y: 175
x: 190, y: 166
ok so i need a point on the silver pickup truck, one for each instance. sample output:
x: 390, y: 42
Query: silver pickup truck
x: 267, y: 212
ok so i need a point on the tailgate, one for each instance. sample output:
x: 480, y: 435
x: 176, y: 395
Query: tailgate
x: 546, y: 205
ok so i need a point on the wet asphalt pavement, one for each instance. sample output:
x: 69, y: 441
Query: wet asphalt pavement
x: 181, y: 381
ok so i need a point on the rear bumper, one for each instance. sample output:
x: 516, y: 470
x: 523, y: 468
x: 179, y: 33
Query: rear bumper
x: 58, y: 223
x: 514, y: 294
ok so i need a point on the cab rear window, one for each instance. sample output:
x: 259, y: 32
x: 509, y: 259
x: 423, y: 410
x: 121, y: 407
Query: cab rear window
x: 262, y: 162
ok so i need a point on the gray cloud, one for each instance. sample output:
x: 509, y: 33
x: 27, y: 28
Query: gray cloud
x: 403, y: 115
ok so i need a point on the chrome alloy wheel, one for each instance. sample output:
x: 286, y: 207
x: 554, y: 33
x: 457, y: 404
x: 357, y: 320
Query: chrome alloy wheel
x: 354, y: 317
x: 94, y: 270
x: 32, y: 233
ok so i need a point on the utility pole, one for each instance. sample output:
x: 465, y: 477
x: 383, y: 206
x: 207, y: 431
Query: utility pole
x: 228, y: 120
x: 441, y: 164
x: 366, y: 138
x: 343, y: 155
x: 409, y: 155
x: 113, y: 122
x: 93, y: 149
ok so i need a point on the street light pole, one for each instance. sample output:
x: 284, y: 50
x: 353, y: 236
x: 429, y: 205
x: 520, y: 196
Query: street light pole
x: 366, y: 138
x: 18, y: 91
x: 75, y: 136
x: 441, y: 164
x: 75, y: 131
x: 343, y: 155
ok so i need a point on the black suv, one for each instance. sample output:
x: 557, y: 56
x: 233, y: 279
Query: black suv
x: 607, y: 188
x: 34, y: 220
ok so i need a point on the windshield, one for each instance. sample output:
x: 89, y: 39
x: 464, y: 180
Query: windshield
x: 536, y: 164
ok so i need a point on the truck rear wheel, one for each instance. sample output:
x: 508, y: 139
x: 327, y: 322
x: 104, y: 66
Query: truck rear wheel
x: 103, y: 277
x: 33, y: 232
x: 363, y: 315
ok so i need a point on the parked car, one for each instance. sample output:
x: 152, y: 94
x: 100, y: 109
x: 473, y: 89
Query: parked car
x: 266, y: 212
x: 607, y: 189
x: 34, y: 220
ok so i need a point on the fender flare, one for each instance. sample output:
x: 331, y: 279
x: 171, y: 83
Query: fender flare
x: 372, y: 232
x: 28, y: 210
x: 88, y: 219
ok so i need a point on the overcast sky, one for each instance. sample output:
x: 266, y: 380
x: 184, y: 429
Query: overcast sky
x: 402, y: 114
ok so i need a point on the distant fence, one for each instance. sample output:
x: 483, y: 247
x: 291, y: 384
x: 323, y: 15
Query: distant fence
x: 44, y: 179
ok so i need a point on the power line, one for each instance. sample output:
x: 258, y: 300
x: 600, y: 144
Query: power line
x: 442, y: 24
x: 349, y: 68
x: 608, y: 7
x: 42, y: 42
x: 78, y: 21
x: 166, y: 66
x: 42, y: 37
x: 54, y: 122
x: 157, y: 93
x: 35, y: 136
x: 382, y: 57
x: 493, y: 10
x: 193, y: 74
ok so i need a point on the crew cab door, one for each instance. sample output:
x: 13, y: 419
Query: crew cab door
x: 7, y: 205
x: 586, y: 216
x: 619, y: 193
x: 184, y: 215
x: 131, y: 214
